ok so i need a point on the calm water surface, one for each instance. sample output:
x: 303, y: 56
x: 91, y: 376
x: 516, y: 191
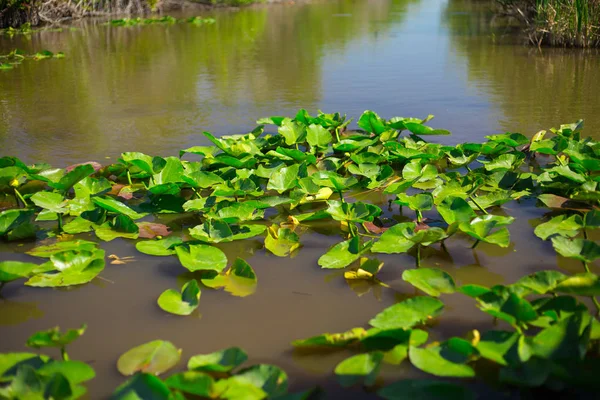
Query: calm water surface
x: 155, y: 88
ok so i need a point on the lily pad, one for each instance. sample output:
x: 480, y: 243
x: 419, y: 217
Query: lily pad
x: 201, y: 257
x: 183, y: 303
x: 343, y: 254
x: 239, y: 280
x: 220, y: 361
x: 407, y: 313
x: 432, y: 281
x: 162, y: 247
x: 153, y: 357
x: 359, y: 368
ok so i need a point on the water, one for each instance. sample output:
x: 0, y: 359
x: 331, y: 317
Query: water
x: 155, y: 88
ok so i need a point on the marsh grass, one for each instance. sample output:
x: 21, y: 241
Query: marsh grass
x: 559, y: 23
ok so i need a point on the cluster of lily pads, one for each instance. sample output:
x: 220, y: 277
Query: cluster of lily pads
x: 310, y: 173
x: 16, y: 57
x: 216, y: 375
x: 167, y: 19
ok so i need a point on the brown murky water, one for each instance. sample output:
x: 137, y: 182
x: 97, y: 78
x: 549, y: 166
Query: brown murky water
x: 154, y: 88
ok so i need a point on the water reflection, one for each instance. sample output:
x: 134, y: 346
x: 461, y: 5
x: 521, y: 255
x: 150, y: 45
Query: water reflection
x: 16, y: 312
x: 532, y: 88
x: 151, y: 88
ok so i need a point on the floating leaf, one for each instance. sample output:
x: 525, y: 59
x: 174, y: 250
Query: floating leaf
x: 331, y: 339
x: 162, y: 247
x: 433, y: 361
x: 142, y: 386
x: 53, y: 337
x: 407, y: 313
x: 70, y: 267
x: 282, y: 242
x: 541, y: 282
x: 220, y: 231
x: 402, y: 237
x: 239, y: 280
x: 220, y: 361
x: 561, y: 225
x: 198, y: 257
x: 183, y: 303
x: 153, y: 357
x: 586, y: 284
x: 192, y: 382
x: 49, y: 250
x: 359, y: 368
x: 579, y: 249
x: 432, y: 281
x: 343, y: 254
x: 112, y: 205
x: 13, y: 270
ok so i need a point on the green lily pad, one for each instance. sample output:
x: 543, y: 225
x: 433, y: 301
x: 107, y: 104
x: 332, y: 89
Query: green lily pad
x: 153, y: 357
x: 343, y: 254
x: 432, y: 361
x: 13, y: 270
x: 359, y: 368
x: 239, y: 280
x: 220, y: 361
x: 432, y: 281
x: 201, y: 257
x: 281, y: 242
x: 70, y: 267
x: 162, y: 247
x: 586, y: 284
x: 220, y: 231
x: 115, y: 206
x: 562, y: 225
x: 49, y: 250
x: 407, y: 313
x: 183, y: 303
x: 192, y: 382
x: 142, y: 386
x: 402, y: 237
x: 580, y: 249
x: 53, y: 337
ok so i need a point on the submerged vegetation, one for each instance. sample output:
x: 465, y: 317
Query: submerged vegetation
x: 312, y: 172
x: 564, y: 23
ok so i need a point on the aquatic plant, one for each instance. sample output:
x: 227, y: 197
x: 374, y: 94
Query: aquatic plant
x: 564, y: 23
x: 270, y: 188
x: 16, y: 57
x: 165, y: 20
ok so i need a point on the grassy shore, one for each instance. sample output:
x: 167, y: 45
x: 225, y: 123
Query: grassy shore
x: 559, y: 23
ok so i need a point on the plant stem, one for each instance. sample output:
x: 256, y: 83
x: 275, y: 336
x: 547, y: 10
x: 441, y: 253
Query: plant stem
x: 419, y: 216
x: 63, y: 353
x: 594, y: 300
x: 443, y: 246
x: 129, y: 178
x: 477, y: 204
x: 475, y: 244
x: 20, y: 197
x: 60, y: 222
x: 418, y: 256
